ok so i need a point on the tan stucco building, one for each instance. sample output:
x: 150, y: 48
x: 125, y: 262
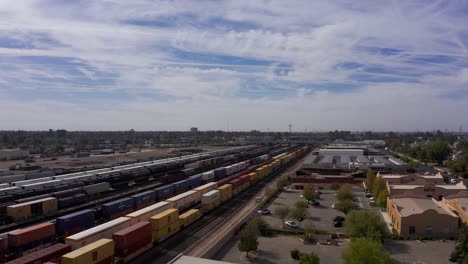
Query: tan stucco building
x: 414, y: 178
x: 458, y: 203
x: 421, y: 217
x: 429, y: 189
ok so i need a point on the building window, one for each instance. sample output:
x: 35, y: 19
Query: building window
x: 429, y: 231
x: 412, y: 230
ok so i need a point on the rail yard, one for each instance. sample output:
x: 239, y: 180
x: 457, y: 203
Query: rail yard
x: 159, y: 207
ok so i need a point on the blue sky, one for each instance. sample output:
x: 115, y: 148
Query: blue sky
x: 171, y: 65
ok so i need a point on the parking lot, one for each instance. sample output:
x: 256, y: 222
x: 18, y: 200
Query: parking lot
x: 319, y: 216
x: 277, y: 249
x: 409, y: 252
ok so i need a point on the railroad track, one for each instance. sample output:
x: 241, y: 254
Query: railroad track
x: 195, y: 235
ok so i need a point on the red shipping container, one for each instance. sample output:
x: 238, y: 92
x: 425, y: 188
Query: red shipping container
x: 244, y: 178
x: 2, y: 250
x: 25, y: 236
x: 50, y: 254
x: 235, y: 183
x: 133, y: 241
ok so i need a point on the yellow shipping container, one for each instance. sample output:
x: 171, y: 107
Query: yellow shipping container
x: 189, y: 217
x: 165, y: 232
x: 164, y: 219
x: 101, y: 251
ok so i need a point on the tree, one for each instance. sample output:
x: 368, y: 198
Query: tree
x: 308, y: 231
x: 282, y: 212
x: 462, y: 243
x: 365, y: 224
x: 413, y: 164
x: 345, y: 206
x: 309, y: 258
x: 309, y: 192
x: 438, y: 151
x: 370, y: 178
x: 262, y: 226
x: 344, y: 193
x: 299, y: 213
x: 247, y: 243
x: 379, y: 187
x: 365, y: 251
x: 382, y: 198
x: 281, y: 183
x: 301, y: 204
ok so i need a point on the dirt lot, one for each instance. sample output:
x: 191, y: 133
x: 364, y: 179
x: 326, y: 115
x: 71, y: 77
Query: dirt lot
x: 110, y: 159
x: 277, y: 249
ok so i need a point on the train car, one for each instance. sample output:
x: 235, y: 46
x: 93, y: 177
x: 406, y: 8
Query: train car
x: 189, y: 217
x: 37, y: 236
x: 31, y: 209
x: 164, y: 192
x: 143, y: 199
x: 117, y: 208
x: 42, y: 185
x: 38, y: 175
x: 165, y: 224
x: 220, y: 173
x: 9, y: 190
x: 181, y: 186
x: 27, y: 182
x: 4, y: 185
x: 68, y: 202
x: 208, y: 176
x: 146, y: 213
x: 71, y: 224
x: 67, y: 193
x: 34, y: 198
x: 185, y: 200
x: 12, y: 178
x: 95, y: 189
x: 132, y: 241
x: 195, y: 181
x: 206, y: 187
x: 98, y: 252
x: 225, y: 193
x: 52, y: 254
x: 96, y: 233
x: 210, y: 200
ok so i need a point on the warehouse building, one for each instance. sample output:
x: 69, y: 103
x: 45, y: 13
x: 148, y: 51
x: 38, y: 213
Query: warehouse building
x: 421, y: 217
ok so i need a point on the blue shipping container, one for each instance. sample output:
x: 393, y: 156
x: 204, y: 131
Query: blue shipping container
x: 143, y: 197
x: 38, y: 175
x: 164, y: 192
x: 181, y: 186
x: 70, y: 224
x: 108, y: 209
x: 220, y: 172
x: 195, y: 181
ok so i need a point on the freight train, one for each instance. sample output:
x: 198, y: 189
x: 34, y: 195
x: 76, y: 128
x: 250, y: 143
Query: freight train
x: 123, y: 214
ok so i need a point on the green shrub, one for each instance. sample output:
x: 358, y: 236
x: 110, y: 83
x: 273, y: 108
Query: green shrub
x: 295, y: 254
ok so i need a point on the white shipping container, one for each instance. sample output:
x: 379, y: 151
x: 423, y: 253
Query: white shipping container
x: 91, y: 235
x: 146, y: 213
x: 206, y: 187
x: 185, y: 199
x: 210, y: 197
x: 208, y: 176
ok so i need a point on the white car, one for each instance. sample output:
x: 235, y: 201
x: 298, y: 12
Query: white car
x: 453, y: 180
x: 333, y: 206
x: 291, y: 224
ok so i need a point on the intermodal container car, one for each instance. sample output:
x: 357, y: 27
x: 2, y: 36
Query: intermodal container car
x: 181, y: 186
x: 220, y: 173
x: 97, y: 188
x: 98, y: 232
x: 67, y: 193
x: 132, y: 241
x: 195, y: 181
x: 164, y: 192
x: 32, y: 237
x: 143, y: 199
x: 117, y: 208
x: 146, y: 213
x: 71, y: 224
x: 72, y: 201
x: 164, y: 219
x: 52, y: 254
x: 189, y: 217
x: 99, y: 252
x: 206, y: 187
x: 185, y: 200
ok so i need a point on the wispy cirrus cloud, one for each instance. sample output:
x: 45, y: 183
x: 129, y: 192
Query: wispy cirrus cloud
x: 259, y: 64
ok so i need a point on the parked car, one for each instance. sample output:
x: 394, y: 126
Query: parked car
x: 453, y: 181
x: 264, y: 211
x: 291, y: 224
x: 454, y: 256
x: 368, y: 194
x: 338, y: 218
x: 314, y: 202
x: 333, y: 206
